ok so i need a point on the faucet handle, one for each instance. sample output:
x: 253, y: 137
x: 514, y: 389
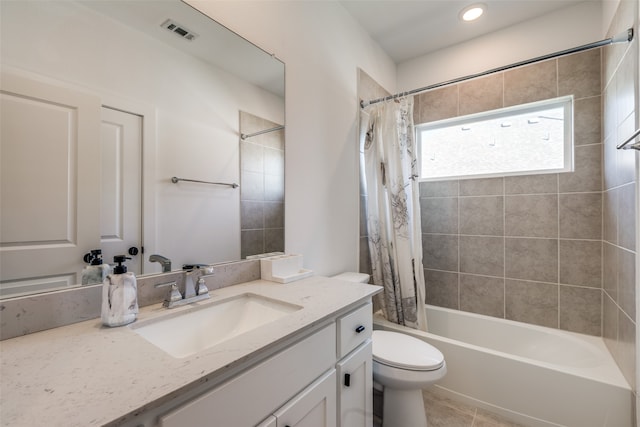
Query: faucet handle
x: 174, y: 294
x: 202, y: 287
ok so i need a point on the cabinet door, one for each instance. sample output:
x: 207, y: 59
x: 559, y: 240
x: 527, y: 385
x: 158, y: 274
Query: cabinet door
x: 355, y: 388
x: 313, y: 407
x: 248, y: 398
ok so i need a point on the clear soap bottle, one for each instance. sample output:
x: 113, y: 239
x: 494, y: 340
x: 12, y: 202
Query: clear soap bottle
x: 119, y: 295
x: 96, y: 271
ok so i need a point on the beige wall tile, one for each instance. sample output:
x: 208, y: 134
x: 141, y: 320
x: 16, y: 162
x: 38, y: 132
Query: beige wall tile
x: 481, y: 94
x: 588, y: 171
x: 274, y: 187
x: 530, y: 83
x: 581, y: 216
x: 610, y: 270
x: 482, y: 255
x: 625, y: 159
x: 627, y: 282
x: 439, y: 215
x: 581, y: 262
x: 531, y: 259
x: 532, y: 302
x: 437, y: 104
x: 609, y: 111
x: 251, y: 242
x: 482, y: 215
x: 482, y: 187
x: 251, y: 215
x: 626, y: 85
x: 531, y: 184
x: 273, y: 240
x: 610, y: 324
x: 609, y: 163
x: 579, y: 74
x: 627, y: 216
x: 587, y: 124
x: 531, y: 215
x: 440, y: 251
x: 610, y: 216
x: 441, y: 288
x: 627, y: 348
x: 273, y: 215
x: 580, y: 310
x: 438, y: 188
x: 482, y: 295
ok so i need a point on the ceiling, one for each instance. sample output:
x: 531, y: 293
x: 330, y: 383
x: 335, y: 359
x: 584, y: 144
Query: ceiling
x: 407, y: 29
x: 214, y: 43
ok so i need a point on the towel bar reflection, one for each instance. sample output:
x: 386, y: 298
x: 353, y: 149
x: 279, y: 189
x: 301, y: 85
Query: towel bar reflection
x: 175, y: 180
x: 251, y: 135
x: 635, y: 146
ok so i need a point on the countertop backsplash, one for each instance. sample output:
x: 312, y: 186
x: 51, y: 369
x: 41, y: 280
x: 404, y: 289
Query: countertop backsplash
x: 34, y: 313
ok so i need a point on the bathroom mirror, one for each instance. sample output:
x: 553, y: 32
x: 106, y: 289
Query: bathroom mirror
x: 80, y: 81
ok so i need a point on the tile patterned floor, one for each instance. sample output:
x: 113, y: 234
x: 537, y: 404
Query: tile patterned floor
x: 444, y: 412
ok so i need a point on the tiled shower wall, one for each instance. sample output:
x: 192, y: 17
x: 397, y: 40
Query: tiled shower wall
x: 525, y: 248
x: 557, y: 250
x: 620, y: 114
x: 261, y: 187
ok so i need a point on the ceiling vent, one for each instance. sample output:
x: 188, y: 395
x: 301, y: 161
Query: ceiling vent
x: 179, y: 30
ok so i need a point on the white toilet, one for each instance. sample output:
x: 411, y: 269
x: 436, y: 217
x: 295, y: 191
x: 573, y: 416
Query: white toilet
x: 403, y: 365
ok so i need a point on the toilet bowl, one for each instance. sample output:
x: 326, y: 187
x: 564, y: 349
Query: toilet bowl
x: 403, y: 365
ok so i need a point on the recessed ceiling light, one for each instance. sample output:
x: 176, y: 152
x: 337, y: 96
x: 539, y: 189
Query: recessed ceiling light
x: 473, y: 12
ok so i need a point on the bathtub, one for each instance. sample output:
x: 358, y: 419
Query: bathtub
x: 529, y: 374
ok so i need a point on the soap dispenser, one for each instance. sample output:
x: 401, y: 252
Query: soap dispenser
x: 96, y: 271
x: 119, y: 295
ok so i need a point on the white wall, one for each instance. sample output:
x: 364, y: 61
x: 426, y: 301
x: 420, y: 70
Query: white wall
x: 322, y: 48
x: 196, y: 106
x: 556, y: 31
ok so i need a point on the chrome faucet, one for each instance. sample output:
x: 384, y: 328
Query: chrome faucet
x: 191, y: 293
x: 164, y: 261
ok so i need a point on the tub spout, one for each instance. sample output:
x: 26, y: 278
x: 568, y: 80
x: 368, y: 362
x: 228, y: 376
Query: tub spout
x: 164, y: 261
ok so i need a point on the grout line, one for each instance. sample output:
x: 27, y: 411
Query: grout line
x: 558, y: 277
x: 458, y: 238
x: 504, y: 249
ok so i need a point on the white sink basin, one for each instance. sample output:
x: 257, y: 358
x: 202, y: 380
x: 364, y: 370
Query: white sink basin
x: 188, y: 332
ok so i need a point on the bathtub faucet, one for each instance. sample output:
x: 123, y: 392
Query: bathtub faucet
x: 164, y: 261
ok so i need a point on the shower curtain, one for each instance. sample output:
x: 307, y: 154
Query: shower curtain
x: 393, y: 209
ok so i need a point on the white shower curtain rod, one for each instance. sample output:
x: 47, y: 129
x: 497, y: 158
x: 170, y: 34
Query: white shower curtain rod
x: 626, y: 36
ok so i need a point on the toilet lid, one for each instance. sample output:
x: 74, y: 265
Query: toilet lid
x: 405, y: 352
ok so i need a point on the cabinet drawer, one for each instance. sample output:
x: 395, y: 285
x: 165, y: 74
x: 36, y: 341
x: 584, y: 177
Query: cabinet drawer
x: 251, y: 396
x: 353, y: 329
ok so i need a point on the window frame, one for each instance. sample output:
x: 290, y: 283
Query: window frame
x: 567, y: 102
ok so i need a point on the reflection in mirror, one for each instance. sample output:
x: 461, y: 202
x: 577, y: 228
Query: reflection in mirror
x: 103, y: 103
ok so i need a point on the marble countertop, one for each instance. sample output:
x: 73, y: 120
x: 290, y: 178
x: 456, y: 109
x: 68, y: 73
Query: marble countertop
x: 86, y: 374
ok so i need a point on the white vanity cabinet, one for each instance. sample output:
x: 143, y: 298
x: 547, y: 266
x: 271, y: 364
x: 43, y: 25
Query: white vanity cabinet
x: 314, y: 407
x: 323, y: 379
x: 250, y: 397
x: 355, y: 368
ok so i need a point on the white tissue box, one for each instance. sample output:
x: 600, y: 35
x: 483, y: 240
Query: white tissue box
x: 283, y: 268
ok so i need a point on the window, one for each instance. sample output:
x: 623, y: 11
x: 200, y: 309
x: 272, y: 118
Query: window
x: 522, y: 140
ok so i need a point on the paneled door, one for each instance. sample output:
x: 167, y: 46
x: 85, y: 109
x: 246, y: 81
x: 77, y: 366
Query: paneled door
x: 49, y: 183
x: 120, y: 205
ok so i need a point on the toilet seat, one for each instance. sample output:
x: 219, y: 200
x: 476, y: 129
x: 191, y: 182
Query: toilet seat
x: 402, y: 351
